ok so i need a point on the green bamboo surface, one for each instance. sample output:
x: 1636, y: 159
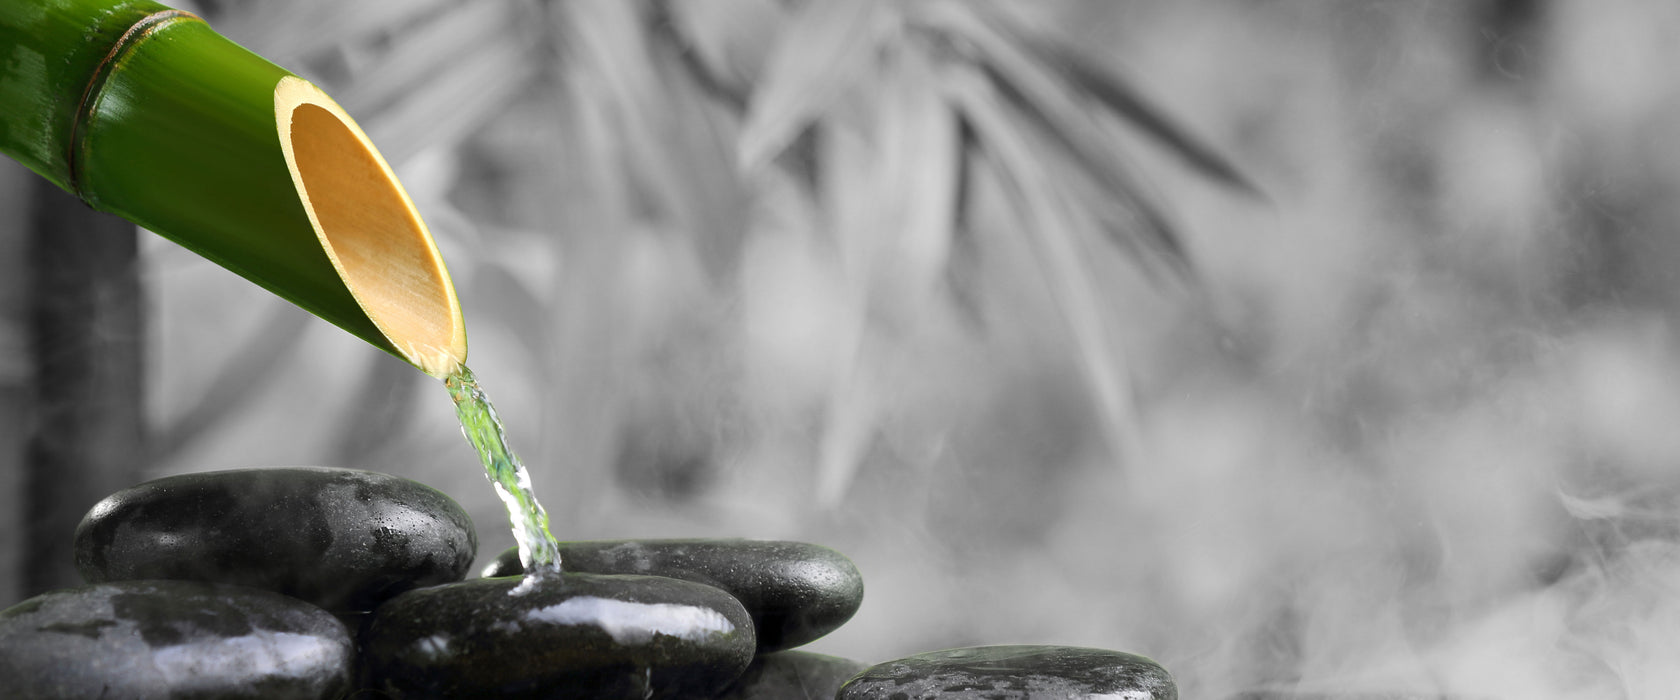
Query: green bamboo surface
x: 148, y: 113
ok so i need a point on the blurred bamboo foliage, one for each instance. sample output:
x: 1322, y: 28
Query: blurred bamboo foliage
x: 1400, y: 424
x: 608, y: 173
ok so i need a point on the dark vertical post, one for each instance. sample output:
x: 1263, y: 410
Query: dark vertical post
x: 16, y: 372
x: 86, y: 350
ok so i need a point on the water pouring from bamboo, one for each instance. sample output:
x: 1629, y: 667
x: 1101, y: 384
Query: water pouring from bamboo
x: 145, y: 112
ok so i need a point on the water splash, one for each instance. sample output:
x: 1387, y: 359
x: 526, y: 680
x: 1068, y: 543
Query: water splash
x: 538, y: 551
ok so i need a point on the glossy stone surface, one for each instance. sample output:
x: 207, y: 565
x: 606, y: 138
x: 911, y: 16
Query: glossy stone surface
x: 796, y: 592
x: 1341, y: 695
x: 171, y: 639
x: 339, y: 538
x: 572, y: 636
x: 1014, y: 673
x: 792, y: 675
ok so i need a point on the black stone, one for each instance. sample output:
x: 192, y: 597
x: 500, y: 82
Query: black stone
x: 792, y: 675
x: 1013, y: 673
x: 171, y: 639
x: 1341, y: 695
x: 339, y: 538
x: 572, y: 636
x: 795, y: 592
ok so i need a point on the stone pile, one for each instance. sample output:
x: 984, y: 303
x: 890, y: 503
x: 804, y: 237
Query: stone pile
x: 336, y: 583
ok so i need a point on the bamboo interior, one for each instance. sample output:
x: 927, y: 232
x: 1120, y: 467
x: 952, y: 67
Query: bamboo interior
x: 370, y: 229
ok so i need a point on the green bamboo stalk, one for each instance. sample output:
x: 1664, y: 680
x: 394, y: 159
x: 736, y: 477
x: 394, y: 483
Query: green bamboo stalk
x: 146, y: 112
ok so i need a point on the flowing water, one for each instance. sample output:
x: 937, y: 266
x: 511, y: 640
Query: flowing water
x: 537, y: 549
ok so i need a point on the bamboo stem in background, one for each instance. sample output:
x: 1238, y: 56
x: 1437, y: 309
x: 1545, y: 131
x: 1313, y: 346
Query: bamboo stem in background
x: 17, y: 375
x: 84, y: 302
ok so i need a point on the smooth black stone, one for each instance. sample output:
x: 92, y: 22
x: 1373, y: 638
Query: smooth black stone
x: 792, y: 675
x: 795, y: 592
x: 171, y: 639
x: 1339, y: 695
x: 1013, y: 673
x: 572, y: 636
x: 342, y: 539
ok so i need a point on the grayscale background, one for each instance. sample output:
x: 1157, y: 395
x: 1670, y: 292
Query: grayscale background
x: 1391, y: 405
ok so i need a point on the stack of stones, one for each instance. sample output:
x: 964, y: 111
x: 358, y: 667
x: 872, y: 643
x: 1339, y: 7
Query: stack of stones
x: 335, y: 583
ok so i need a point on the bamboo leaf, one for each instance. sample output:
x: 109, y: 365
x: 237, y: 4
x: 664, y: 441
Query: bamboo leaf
x: 691, y: 159
x: 848, y: 429
x: 676, y: 146
x: 962, y: 271
x: 848, y: 198
x: 607, y: 45
x: 724, y: 42
x: 819, y: 54
x: 730, y: 91
x: 1110, y: 90
x: 1038, y: 92
x: 1012, y: 154
x: 1121, y: 211
x: 917, y: 144
x: 892, y: 207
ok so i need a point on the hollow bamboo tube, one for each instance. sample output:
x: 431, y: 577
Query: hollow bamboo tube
x: 146, y: 112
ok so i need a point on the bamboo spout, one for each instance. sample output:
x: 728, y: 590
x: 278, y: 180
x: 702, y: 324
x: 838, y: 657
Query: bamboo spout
x: 147, y: 113
x: 369, y: 229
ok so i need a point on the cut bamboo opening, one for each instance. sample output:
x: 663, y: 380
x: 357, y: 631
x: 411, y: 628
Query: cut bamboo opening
x: 369, y: 228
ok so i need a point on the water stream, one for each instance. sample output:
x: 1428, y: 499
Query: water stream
x: 538, y: 551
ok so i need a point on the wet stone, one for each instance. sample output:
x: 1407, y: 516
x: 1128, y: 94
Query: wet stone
x: 795, y: 592
x: 1341, y: 695
x: 342, y: 539
x: 792, y: 675
x: 174, y: 639
x: 1024, y: 672
x: 572, y: 636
